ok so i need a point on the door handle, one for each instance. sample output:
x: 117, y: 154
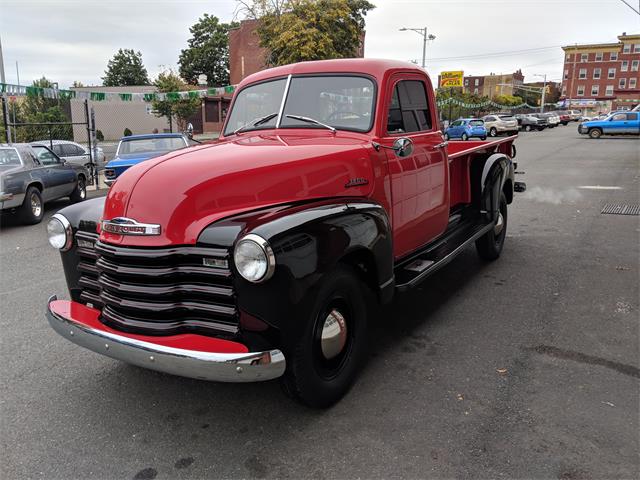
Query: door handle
x: 440, y: 145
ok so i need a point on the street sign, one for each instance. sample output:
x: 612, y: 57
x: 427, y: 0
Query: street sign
x: 451, y: 79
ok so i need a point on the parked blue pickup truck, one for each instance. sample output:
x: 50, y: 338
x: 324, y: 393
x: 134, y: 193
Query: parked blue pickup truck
x: 618, y: 123
x: 138, y: 148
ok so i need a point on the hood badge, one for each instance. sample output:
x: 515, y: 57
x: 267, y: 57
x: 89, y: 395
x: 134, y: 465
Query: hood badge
x: 128, y: 226
x: 356, y: 182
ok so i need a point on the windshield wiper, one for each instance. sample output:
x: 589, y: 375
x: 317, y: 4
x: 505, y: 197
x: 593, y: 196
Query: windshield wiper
x: 255, y: 122
x: 311, y: 120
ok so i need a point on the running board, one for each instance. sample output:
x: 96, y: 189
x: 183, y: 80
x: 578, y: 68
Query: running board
x: 410, y: 273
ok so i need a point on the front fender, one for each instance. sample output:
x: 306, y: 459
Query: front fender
x: 308, y: 241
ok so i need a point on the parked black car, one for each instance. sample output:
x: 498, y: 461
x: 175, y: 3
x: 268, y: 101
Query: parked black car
x: 32, y: 175
x: 528, y: 122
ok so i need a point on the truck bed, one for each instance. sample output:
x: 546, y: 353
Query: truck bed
x: 460, y: 155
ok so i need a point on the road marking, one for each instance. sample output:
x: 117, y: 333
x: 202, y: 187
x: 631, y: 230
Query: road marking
x: 599, y: 187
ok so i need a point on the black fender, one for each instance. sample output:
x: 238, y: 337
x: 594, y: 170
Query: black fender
x: 308, y: 241
x: 497, y: 176
x: 83, y: 216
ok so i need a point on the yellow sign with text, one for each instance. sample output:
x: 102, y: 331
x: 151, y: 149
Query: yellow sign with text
x: 451, y: 79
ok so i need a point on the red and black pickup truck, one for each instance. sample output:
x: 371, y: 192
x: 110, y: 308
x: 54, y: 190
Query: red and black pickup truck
x: 264, y: 255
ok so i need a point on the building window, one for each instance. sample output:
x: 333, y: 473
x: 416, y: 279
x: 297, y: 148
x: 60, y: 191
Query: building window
x: 564, y: 90
x: 636, y: 48
x: 466, y: 82
x: 622, y: 83
x: 595, y: 90
x: 612, y: 73
x: 477, y: 82
x: 627, y: 48
x: 568, y: 57
x: 632, y: 82
x: 475, y: 91
x: 625, y: 66
x: 581, y: 90
x: 634, y: 65
x: 584, y: 57
x: 613, y: 56
x: 599, y: 57
x: 583, y: 73
x: 566, y: 73
x: 609, y: 91
x: 597, y: 72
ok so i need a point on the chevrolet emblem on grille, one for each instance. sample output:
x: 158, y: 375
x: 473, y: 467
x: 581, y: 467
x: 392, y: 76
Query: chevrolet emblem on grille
x: 128, y: 226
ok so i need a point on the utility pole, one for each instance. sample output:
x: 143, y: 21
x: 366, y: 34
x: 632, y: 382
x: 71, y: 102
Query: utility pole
x: 425, y: 37
x: 2, y: 78
x: 544, y: 91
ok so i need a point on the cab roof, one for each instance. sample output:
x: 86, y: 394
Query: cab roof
x: 151, y: 135
x: 376, y: 68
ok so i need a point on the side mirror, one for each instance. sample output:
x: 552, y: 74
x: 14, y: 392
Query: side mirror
x: 403, y: 147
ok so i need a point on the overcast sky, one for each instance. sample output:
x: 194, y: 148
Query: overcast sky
x: 68, y: 40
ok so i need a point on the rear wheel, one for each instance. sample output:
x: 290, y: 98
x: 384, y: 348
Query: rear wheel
x: 483, y: 138
x: 493, y: 132
x: 326, y: 357
x: 446, y: 136
x: 32, y: 209
x: 527, y: 128
x: 489, y: 246
x: 595, y: 133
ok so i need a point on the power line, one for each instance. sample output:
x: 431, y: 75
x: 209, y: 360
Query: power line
x: 497, y: 54
x: 627, y: 4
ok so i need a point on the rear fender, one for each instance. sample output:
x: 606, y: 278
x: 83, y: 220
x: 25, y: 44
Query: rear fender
x: 497, y: 175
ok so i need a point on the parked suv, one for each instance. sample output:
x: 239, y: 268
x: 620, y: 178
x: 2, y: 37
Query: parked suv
x: 500, y: 123
x: 552, y: 119
x: 529, y: 122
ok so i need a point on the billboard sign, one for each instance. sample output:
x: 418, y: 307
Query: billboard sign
x: 451, y: 79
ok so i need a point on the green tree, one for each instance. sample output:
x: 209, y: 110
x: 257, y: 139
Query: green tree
x: 77, y: 84
x: 180, y: 109
x: 509, y: 100
x: 300, y: 30
x: 207, y: 52
x: 36, y: 109
x: 125, y: 68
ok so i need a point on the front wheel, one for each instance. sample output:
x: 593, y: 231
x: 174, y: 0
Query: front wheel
x: 332, y: 344
x: 489, y: 246
x: 80, y: 192
x: 595, y: 133
x: 527, y: 128
x: 465, y: 137
x: 493, y: 132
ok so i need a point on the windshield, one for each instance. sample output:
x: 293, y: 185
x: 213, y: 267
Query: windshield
x: 150, y: 145
x: 340, y: 101
x: 9, y: 156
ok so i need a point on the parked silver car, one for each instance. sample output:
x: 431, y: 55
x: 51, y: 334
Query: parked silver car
x: 31, y: 175
x: 73, y: 152
x: 500, y: 123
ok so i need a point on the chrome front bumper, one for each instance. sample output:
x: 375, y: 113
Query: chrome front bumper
x: 203, y: 365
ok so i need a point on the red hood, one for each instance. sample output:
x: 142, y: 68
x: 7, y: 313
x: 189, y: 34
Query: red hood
x: 187, y: 190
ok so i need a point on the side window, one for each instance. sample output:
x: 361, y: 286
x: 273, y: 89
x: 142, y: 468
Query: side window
x: 46, y: 157
x: 619, y: 117
x: 409, y: 108
x: 57, y: 149
x: 632, y: 116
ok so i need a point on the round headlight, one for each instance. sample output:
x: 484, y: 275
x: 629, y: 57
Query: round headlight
x: 254, y: 258
x: 60, y: 233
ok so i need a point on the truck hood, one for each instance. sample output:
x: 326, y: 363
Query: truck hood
x: 186, y: 190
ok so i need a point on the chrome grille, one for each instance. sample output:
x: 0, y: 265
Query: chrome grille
x: 159, y: 290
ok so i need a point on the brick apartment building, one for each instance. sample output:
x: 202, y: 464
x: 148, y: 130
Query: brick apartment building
x: 602, y: 77
x: 494, y: 84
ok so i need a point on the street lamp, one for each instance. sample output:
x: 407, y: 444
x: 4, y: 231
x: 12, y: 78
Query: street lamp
x: 544, y: 90
x: 425, y: 37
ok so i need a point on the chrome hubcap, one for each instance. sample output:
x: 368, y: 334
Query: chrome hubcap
x: 83, y: 191
x: 36, y: 206
x: 334, y: 335
x: 497, y: 229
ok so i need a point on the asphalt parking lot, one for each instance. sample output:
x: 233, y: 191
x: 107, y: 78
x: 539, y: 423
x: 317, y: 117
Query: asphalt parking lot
x: 523, y: 368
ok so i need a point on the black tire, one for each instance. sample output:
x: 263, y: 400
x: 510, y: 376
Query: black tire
x: 464, y: 137
x: 595, y: 133
x: 527, y: 128
x: 32, y: 208
x: 483, y: 138
x: 80, y: 192
x: 446, y: 137
x: 493, y: 132
x: 489, y: 246
x: 311, y: 378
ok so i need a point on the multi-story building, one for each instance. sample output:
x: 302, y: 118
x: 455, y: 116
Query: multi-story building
x: 604, y: 76
x: 493, y: 84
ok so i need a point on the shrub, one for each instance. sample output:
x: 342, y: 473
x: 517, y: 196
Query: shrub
x: 127, y: 132
x: 99, y: 136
